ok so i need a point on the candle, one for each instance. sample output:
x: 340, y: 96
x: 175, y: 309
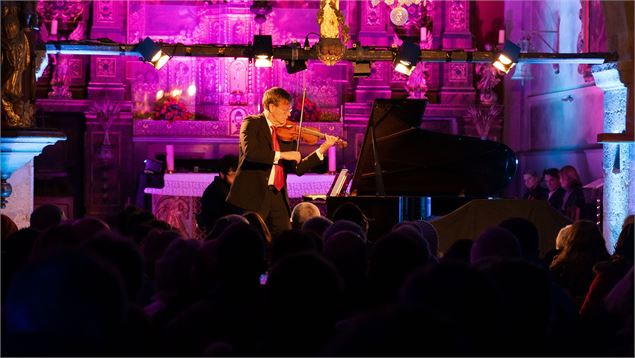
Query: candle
x: 54, y: 27
x: 332, y: 159
x: 169, y: 157
x: 501, y: 36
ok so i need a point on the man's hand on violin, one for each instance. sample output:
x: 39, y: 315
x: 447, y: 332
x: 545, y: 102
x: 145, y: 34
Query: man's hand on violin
x: 295, y: 156
x: 328, y: 142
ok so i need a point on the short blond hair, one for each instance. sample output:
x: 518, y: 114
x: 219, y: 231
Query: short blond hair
x: 274, y: 95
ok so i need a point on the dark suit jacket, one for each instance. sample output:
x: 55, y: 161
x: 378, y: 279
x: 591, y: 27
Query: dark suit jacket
x: 556, y: 198
x: 255, y: 162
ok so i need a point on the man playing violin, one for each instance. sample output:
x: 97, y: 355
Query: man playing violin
x: 264, y: 161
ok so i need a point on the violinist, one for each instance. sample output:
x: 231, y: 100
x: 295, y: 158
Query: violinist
x: 265, y: 160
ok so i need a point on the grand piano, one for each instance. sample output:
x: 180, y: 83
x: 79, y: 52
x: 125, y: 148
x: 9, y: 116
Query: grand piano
x: 408, y: 173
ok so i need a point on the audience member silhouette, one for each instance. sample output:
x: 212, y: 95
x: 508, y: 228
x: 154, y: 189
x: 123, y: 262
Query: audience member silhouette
x: 459, y: 252
x: 392, y: 259
x: 556, y: 193
x: 223, y: 223
x: 351, y: 212
x: 533, y: 189
x: 8, y: 227
x: 303, y: 212
x: 256, y: 222
x: 573, y: 199
x: 317, y: 225
x: 495, y: 242
x: 573, y: 267
x: 527, y: 235
x: 303, y: 295
x: 293, y: 242
x: 46, y: 216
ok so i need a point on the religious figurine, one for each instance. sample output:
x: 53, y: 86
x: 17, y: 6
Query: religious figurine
x: 16, y: 58
x: 489, y: 79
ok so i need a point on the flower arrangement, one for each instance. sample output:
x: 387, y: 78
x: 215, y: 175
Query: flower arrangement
x: 171, y: 108
x: 312, y: 112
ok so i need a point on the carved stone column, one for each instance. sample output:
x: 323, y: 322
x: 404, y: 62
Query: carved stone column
x: 372, y: 29
x: 457, y: 78
x: 106, y: 72
x: 617, y: 155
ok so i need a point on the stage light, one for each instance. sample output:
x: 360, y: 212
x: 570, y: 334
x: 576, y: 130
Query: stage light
x: 263, y: 50
x: 152, y: 53
x: 407, y: 58
x: 159, y: 95
x: 361, y: 69
x: 294, y: 66
x: 507, y: 58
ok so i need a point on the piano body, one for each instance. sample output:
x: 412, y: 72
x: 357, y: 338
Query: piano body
x: 407, y: 173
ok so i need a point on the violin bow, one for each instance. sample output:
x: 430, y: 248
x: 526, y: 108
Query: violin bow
x: 297, y: 147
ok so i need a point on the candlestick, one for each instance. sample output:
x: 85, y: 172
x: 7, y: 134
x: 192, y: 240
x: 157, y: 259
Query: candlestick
x: 501, y: 36
x: 54, y: 27
x: 332, y: 159
x: 169, y: 158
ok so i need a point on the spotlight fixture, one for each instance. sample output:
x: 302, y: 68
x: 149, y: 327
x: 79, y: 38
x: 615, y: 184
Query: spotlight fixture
x: 361, y: 69
x: 407, y: 58
x: 152, y: 53
x: 263, y: 50
x: 294, y: 66
x: 508, y: 57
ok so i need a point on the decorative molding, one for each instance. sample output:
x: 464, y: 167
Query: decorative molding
x: 105, y: 11
x: 457, y: 15
x: 457, y: 72
x: 106, y: 67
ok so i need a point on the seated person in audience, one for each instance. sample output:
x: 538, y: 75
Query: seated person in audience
x: 351, y: 212
x: 534, y: 190
x: 573, y: 200
x: 556, y: 193
x: 46, y: 216
x: 303, y: 212
x: 213, y: 204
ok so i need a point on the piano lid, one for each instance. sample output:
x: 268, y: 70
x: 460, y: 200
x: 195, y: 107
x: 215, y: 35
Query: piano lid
x: 417, y: 162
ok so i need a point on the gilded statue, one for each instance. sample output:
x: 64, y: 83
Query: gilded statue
x: 16, y: 58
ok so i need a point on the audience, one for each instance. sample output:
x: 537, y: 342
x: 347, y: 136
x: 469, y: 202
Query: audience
x: 135, y: 287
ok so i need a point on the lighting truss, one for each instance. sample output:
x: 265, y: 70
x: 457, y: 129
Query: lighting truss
x: 357, y: 54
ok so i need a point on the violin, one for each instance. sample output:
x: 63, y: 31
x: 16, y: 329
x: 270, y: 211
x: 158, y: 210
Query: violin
x: 291, y: 131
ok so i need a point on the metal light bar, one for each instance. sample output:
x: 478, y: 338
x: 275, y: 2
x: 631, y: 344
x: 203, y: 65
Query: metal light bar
x: 354, y: 54
x: 74, y: 48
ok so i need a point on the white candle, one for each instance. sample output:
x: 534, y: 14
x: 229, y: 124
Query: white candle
x: 424, y: 34
x: 332, y: 159
x: 501, y: 36
x: 169, y: 157
x: 54, y: 27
